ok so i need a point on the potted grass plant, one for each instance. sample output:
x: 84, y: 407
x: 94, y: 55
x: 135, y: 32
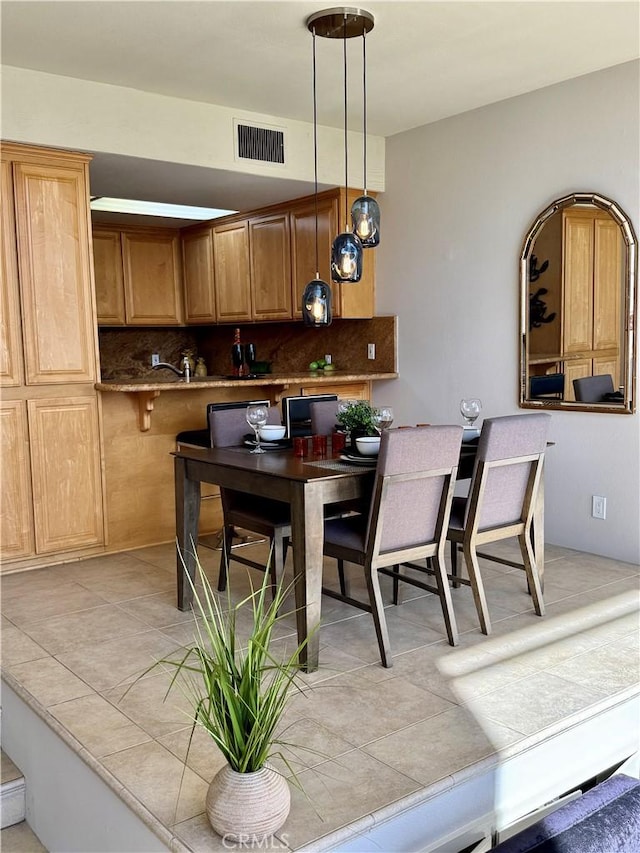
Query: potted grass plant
x: 356, y: 416
x: 239, y: 691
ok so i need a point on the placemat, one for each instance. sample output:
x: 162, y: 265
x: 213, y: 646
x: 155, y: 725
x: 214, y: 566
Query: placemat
x: 334, y: 464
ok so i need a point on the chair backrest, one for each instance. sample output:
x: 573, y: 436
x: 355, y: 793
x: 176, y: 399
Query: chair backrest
x: 296, y: 414
x: 509, y: 451
x: 549, y: 385
x: 415, y: 478
x: 323, y: 414
x: 227, y: 422
x: 591, y: 389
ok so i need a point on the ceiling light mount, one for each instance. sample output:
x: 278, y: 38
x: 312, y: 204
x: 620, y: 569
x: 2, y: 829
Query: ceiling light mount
x: 341, y: 22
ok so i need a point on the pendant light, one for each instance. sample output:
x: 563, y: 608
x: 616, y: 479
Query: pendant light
x: 345, y: 23
x: 365, y: 213
x: 316, y: 299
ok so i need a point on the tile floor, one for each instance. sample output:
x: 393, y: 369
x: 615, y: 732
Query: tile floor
x: 78, y: 636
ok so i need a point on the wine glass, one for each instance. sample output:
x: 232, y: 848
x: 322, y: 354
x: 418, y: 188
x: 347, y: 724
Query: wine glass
x: 382, y: 418
x: 249, y: 354
x: 257, y: 417
x: 470, y: 409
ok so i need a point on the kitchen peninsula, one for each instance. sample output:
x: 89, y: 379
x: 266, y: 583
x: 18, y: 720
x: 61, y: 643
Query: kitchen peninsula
x: 345, y: 383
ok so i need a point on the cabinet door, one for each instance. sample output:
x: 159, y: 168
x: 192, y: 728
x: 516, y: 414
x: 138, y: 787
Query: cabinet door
x: 107, y: 263
x: 55, y: 273
x: 607, y: 280
x: 198, y: 277
x: 66, y: 474
x: 577, y: 369
x: 10, y: 337
x: 358, y: 300
x: 232, y: 272
x: 353, y: 391
x: 303, y: 249
x: 270, y: 255
x: 152, y: 280
x: 15, y: 515
x: 578, y: 284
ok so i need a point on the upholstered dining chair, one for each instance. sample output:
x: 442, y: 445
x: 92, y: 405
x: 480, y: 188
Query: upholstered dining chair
x: 592, y: 389
x: 407, y: 520
x: 501, y: 502
x: 270, y: 518
x: 324, y: 414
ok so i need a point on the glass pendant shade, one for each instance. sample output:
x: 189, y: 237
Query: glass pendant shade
x: 365, y: 220
x: 316, y: 304
x: 346, y: 258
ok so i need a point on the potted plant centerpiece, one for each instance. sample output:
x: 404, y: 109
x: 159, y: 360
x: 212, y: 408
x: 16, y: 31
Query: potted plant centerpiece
x: 356, y: 416
x: 239, y: 691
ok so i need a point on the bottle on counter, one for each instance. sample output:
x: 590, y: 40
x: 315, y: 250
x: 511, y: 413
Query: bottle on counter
x: 188, y: 355
x: 237, y: 355
x: 201, y: 367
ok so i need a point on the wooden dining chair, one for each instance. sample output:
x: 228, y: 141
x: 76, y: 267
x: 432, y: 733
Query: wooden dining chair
x: 324, y: 414
x: 501, y: 502
x: 269, y: 518
x: 592, y: 389
x: 407, y: 520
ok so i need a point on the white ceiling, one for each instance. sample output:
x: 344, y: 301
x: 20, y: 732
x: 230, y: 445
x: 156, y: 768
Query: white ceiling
x: 426, y: 60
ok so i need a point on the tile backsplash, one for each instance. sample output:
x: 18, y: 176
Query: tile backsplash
x: 290, y: 347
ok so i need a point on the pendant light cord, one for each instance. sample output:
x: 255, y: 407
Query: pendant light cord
x: 364, y: 106
x: 346, y: 172
x: 315, y: 149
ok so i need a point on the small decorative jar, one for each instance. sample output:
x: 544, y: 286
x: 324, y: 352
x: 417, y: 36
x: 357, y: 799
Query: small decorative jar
x: 188, y: 354
x: 201, y: 368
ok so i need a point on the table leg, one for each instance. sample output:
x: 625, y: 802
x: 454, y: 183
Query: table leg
x: 187, y: 516
x: 307, y: 536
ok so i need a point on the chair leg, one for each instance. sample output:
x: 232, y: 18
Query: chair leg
x: 377, y: 611
x: 473, y: 568
x: 344, y: 583
x: 442, y: 582
x: 277, y: 557
x: 455, y: 565
x: 533, y: 579
x: 396, y: 584
x: 225, y: 556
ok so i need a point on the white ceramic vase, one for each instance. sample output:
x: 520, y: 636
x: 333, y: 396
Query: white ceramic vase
x: 247, y: 804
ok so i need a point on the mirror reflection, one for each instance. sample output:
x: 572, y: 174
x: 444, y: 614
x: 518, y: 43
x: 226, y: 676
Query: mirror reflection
x: 578, y: 268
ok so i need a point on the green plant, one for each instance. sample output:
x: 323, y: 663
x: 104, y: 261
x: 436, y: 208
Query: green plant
x: 357, y: 415
x: 238, y: 694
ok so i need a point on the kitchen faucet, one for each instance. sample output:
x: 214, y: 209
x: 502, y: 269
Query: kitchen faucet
x: 186, y: 369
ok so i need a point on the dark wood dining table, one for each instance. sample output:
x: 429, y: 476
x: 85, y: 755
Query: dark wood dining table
x: 306, y: 484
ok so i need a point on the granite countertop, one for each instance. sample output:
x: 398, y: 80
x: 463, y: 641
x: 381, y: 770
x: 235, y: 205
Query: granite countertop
x: 195, y: 383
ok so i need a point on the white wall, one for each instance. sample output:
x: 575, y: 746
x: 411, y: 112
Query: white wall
x: 460, y: 196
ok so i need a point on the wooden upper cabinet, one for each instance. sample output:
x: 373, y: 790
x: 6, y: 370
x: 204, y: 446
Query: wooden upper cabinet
x: 107, y: 262
x: 357, y: 300
x: 54, y: 263
x: 232, y: 271
x: 10, y: 338
x: 16, y: 530
x: 66, y: 474
x: 270, y: 261
x: 152, y: 278
x: 198, y: 276
x: 303, y: 249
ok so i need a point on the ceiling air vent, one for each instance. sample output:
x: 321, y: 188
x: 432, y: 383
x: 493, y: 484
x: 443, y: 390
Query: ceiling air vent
x: 255, y: 142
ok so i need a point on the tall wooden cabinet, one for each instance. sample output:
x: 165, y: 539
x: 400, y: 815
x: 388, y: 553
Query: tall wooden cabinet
x: 52, y: 483
x: 591, y: 296
x: 198, y: 276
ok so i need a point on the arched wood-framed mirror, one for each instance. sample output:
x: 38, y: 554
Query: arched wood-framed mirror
x: 578, y: 272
